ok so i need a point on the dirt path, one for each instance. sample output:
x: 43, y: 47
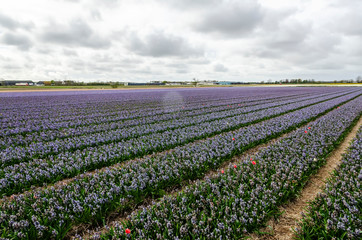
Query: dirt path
x: 282, y: 229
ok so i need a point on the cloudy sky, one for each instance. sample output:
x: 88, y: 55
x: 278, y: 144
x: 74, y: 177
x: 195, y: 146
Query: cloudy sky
x: 143, y: 40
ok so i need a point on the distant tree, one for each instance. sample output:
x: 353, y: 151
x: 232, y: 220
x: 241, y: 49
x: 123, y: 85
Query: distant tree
x: 194, y: 82
x: 359, y: 79
x: 114, y: 84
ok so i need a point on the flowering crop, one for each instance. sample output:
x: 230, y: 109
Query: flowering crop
x: 16, y: 177
x: 50, y: 212
x: 241, y: 199
x: 56, y: 112
x: 61, y: 118
x: 102, y: 134
x: 124, y: 133
x: 336, y: 213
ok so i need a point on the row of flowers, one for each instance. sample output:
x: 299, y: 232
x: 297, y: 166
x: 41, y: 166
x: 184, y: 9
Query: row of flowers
x: 18, y: 108
x: 336, y: 213
x: 51, y: 212
x: 148, y: 138
x: 105, y: 110
x: 184, y: 116
x: 240, y: 199
x: 18, y: 177
x: 140, y: 108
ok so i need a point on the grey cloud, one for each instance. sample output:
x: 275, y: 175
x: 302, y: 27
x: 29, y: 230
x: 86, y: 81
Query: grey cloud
x: 182, y: 71
x: 96, y: 15
x: 99, y: 63
x: 350, y: 24
x: 160, y: 44
x: 316, y: 45
x: 71, y: 1
x: 190, y: 4
x: 69, y: 52
x: 220, y: 68
x: 232, y: 19
x: 200, y: 61
x: 145, y: 70
x: 76, y: 33
x: 44, y: 50
x: 10, y: 66
x: 105, y: 3
x: 289, y: 35
x: 19, y: 40
x: 326, y: 65
x: 131, y: 61
x: 103, y: 58
x: 274, y: 17
x: 77, y: 64
x: 177, y: 65
x: 12, y: 24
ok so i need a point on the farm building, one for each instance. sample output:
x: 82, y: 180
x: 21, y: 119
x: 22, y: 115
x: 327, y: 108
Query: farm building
x: 16, y: 83
x: 206, y: 83
x: 223, y: 83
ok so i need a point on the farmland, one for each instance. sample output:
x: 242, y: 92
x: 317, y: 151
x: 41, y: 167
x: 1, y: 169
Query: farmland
x: 72, y: 159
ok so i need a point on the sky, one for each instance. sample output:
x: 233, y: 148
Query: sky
x: 179, y: 40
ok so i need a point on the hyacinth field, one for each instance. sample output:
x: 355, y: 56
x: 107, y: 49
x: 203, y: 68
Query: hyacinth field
x: 76, y: 158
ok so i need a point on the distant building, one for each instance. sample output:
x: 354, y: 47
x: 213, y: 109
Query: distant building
x: 223, y: 83
x: 16, y: 83
x: 205, y: 83
x: 136, y: 84
x: 175, y: 83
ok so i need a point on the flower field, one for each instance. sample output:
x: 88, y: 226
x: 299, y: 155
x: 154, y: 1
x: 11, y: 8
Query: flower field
x: 337, y: 211
x: 71, y: 158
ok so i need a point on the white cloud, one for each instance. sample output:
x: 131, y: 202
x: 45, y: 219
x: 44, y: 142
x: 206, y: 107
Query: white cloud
x: 75, y: 33
x: 231, y: 19
x: 161, y: 44
x: 19, y: 40
x: 220, y: 68
x: 240, y: 40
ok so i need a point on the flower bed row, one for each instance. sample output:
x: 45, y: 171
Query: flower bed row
x: 337, y: 212
x: 23, y: 127
x: 174, y: 118
x: 120, y: 117
x: 16, y: 178
x: 53, y: 106
x: 95, y: 112
x: 51, y: 212
x: 143, y: 139
x: 240, y: 199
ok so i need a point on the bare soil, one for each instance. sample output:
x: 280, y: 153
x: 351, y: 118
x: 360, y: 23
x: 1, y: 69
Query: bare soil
x: 283, y: 228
